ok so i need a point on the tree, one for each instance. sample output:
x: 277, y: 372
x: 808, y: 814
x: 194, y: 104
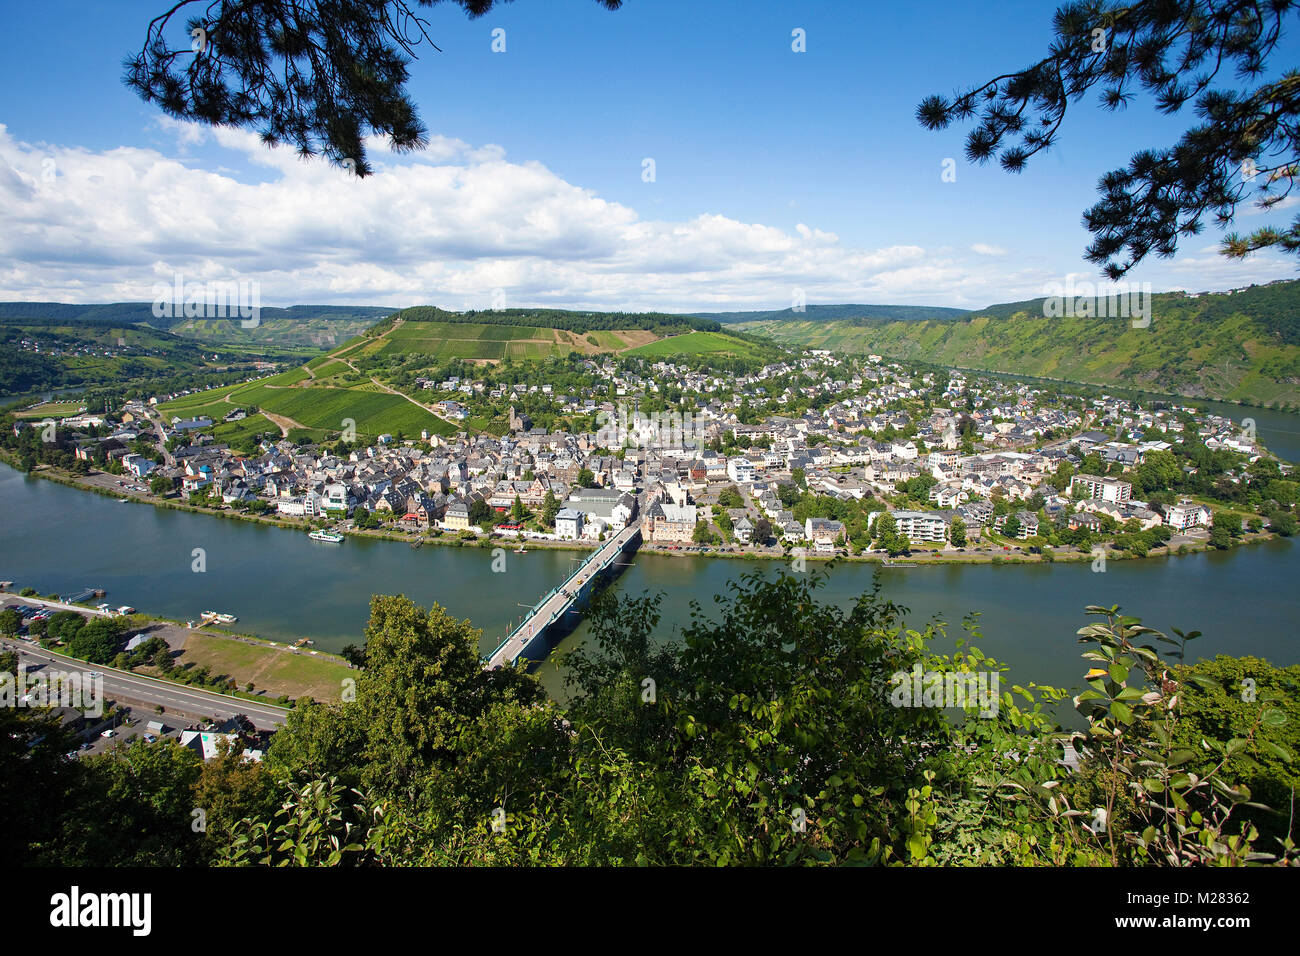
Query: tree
x: 10, y: 622
x: 480, y: 512
x: 98, y: 641
x: 517, y: 511
x: 318, y: 76
x: 1283, y: 522
x: 1012, y: 527
x: 729, y: 497
x: 65, y: 625
x: 550, y: 508
x: 422, y: 684
x: 1060, y: 480
x: 1174, y: 50
x: 37, y: 783
x: 762, y: 531
x: 1229, y: 521
x: 586, y: 479
x: 957, y: 533
x: 162, y: 659
x: 230, y: 788
x: 160, y: 485
x: 136, y: 808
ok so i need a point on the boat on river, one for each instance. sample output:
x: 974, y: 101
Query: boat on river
x: 333, y: 537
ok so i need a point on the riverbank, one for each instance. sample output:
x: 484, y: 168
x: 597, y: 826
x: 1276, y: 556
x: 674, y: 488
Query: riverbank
x: 285, y: 586
x: 1183, y: 545
x: 262, y: 671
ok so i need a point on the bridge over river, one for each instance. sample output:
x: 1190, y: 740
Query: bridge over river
x: 551, y: 612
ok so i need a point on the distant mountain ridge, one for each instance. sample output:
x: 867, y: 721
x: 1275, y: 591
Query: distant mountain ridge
x: 1241, y: 346
x: 828, y: 313
x: 133, y: 313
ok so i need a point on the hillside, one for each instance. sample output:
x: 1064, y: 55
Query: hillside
x: 707, y: 345
x: 303, y: 326
x: 1240, y: 346
x: 827, y: 313
x: 371, y: 379
x: 37, y: 353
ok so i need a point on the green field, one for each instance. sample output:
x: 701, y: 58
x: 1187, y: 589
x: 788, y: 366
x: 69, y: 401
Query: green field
x: 698, y: 343
x: 237, y: 433
x: 375, y: 413
x: 274, y: 670
x: 321, y: 409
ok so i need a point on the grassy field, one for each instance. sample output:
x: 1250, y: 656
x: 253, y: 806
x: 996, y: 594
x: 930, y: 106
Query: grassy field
x: 236, y: 434
x: 318, y: 408
x: 200, y: 403
x: 274, y: 670
x: 53, y: 410
x: 698, y: 343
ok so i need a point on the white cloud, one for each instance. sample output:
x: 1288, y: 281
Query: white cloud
x: 445, y: 226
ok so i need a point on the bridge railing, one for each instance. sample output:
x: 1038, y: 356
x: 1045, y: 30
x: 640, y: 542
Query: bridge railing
x: 536, y: 609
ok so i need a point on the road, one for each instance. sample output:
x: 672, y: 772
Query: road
x: 148, y: 690
x: 155, y: 418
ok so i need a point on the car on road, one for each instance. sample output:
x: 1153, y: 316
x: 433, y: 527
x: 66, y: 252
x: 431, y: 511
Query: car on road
x: 108, y: 733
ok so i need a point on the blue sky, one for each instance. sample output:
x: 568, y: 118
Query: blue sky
x: 774, y: 170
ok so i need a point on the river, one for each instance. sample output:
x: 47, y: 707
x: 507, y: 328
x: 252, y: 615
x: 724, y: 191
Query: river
x: 283, y: 586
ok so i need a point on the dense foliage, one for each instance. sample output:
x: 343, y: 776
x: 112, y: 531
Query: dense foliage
x: 773, y: 733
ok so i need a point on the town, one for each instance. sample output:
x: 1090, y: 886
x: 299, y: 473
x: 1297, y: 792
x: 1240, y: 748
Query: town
x: 854, y: 456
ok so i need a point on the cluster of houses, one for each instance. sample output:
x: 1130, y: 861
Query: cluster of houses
x: 848, y: 449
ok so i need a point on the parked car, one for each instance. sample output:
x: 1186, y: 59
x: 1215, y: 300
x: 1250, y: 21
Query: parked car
x: 108, y: 733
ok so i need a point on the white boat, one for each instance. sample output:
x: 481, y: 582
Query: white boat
x: 330, y: 536
x: 220, y: 618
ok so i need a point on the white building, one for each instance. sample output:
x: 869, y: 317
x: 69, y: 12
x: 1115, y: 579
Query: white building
x: 920, y: 525
x: 741, y: 471
x: 1187, y: 514
x: 568, y: 524
x: 1105, y: 489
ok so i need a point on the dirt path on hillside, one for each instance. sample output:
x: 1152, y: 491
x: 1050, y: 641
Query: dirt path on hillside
x: 282, y: 421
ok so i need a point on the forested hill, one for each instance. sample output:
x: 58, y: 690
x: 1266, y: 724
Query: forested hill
x: 827, y: 313
x: 568, y: 320
x: 133, y: 313
x: 1237, y: 346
